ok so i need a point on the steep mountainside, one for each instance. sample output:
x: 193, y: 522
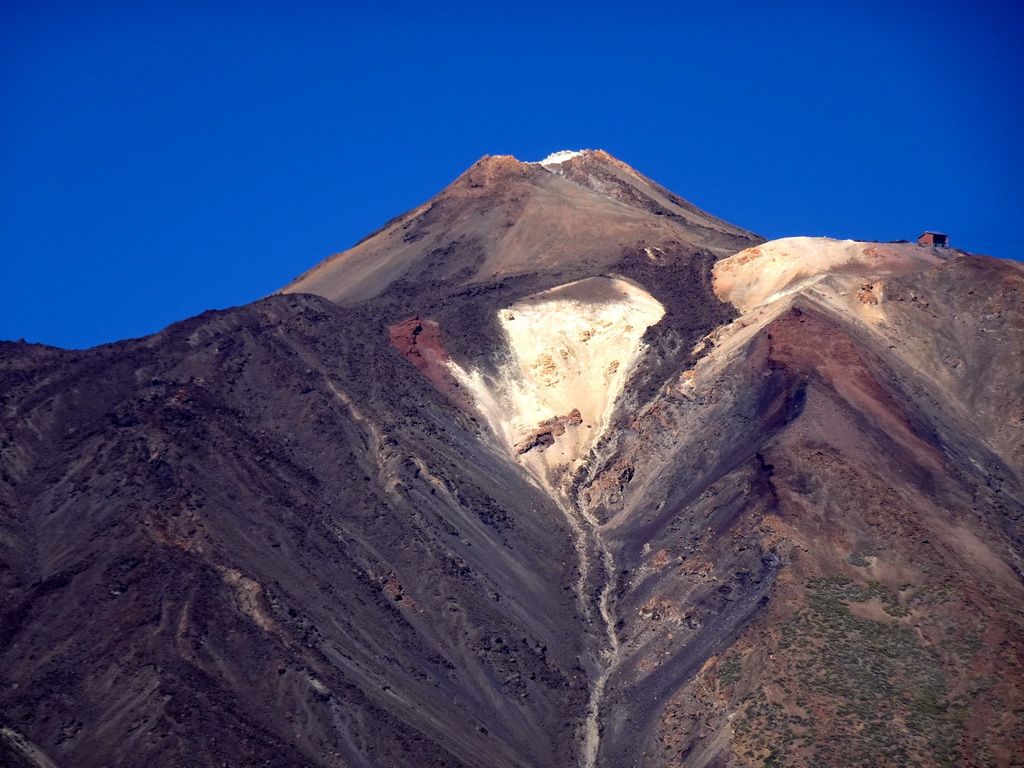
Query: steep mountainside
x: 553, y: 470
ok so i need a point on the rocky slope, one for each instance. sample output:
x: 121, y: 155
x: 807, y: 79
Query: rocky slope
x: 555, y: 469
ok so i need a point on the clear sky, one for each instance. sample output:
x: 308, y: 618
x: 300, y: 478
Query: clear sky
x: 159, y: 158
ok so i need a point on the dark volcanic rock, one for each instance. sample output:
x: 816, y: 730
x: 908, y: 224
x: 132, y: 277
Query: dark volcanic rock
x: 230, y: 543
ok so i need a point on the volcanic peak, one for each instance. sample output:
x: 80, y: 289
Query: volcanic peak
x: 297, y: 533
x: 578, y: 216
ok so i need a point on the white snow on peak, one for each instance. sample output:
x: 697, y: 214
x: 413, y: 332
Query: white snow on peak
x: 556, y: 158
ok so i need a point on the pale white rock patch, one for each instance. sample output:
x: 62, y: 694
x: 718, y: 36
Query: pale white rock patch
x: 844, y: 279
x: 770, y: 271
x: 570, y: 349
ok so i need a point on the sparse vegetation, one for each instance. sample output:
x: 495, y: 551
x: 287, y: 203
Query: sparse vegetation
x: 729, y: 670
x: 885, y: 693
x: 860, y: 559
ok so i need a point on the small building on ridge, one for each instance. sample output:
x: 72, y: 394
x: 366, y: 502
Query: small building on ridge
x: 937, y: 239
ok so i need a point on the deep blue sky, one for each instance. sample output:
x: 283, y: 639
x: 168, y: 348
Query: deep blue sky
x: 162, y: 158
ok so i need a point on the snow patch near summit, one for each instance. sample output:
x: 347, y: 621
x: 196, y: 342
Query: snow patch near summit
x: 557, y: 158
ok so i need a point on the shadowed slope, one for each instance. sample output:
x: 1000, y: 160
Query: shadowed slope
x: 232, y: 545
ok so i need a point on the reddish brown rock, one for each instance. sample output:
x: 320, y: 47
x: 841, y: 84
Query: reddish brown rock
x: 419, y: 342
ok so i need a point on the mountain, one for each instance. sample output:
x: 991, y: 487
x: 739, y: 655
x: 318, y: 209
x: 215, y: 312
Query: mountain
x: 553, y: 470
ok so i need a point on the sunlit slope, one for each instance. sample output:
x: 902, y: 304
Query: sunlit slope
x: 570, y: 352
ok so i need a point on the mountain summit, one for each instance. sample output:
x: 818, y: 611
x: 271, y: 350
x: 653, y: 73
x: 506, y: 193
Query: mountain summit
x: 503, y: 218
x: 553, y: 470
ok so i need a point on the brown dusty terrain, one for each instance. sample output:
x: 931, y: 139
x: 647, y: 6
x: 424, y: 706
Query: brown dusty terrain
x: 782, y: 526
